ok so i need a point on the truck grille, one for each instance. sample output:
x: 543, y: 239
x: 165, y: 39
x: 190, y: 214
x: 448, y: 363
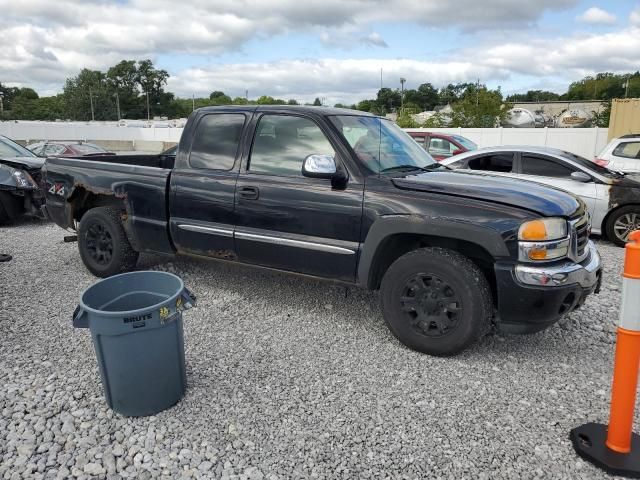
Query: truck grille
x: 581, y: 228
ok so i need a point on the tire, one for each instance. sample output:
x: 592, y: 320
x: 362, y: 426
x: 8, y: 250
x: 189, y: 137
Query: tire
x: 436, y: 301
x: 103, y: 244
x: 618, y: 220
x: 11, y: 207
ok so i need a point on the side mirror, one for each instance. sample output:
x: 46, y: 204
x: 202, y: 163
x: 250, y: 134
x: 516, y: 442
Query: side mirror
x: 580, y: 177
x: 319, y: 166
x: 457, y: 152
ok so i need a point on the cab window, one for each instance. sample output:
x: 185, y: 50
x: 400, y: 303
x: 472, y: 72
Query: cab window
x: 542, y: 167
x: 282, y: 142
x: 493, y: 163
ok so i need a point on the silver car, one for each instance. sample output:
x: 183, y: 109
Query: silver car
x: 612, y: 198
x: 621, y: 154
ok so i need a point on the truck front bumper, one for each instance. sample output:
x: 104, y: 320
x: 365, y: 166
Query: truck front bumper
x: 531, y: 298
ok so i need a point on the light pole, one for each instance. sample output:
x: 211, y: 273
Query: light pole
x: 148, y: 115
x: 402, y: 81
x: 93, y: 118
x: 117, y: 105
x: 1, y: 104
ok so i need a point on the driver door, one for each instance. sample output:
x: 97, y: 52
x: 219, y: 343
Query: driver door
x: 288, y: 221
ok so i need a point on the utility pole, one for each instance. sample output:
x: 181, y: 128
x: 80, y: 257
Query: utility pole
x: 1, y: 104
x: 626, y: 88
x: 380, y: 79
x: 148, y: 115
x: 93, y: 118
x: 193, y: 102
x: 402, y: 81
x: 478, y: 92
x: 246, y: 95
x: 117, y: 105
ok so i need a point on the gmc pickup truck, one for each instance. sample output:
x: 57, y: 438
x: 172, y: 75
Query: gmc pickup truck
x: 345, y: 196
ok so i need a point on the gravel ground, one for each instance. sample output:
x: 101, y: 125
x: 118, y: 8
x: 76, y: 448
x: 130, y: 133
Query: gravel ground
x: 291, y: 378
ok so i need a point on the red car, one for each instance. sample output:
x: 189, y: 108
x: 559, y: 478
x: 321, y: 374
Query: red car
x: 67, y: 149
x: 443, y: 145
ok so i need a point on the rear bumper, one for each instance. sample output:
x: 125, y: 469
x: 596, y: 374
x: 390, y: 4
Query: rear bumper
x: 531, y: 298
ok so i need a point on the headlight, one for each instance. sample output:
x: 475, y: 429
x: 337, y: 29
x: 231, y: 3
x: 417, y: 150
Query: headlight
x: 543, y: 240
x: 543, y: 229
x: 24, y: 180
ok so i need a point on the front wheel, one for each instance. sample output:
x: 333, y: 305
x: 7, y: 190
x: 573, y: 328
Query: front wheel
x: 104, y: 247
x: 621, y: 223
x: 436, y: 301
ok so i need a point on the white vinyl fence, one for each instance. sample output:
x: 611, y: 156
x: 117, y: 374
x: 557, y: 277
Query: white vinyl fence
x: 587, y: 142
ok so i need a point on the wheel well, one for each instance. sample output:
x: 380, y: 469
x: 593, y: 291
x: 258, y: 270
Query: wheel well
x: 394, y: 246
x: 611, y: 212
x: 84, y: 200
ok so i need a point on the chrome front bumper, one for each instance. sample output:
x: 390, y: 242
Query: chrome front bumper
x: 585, y: 274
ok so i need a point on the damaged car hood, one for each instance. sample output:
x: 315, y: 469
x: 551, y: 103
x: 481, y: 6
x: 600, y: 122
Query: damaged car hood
x: 29, y: 163
x: 546, y: 201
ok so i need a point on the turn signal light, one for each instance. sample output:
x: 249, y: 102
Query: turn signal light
x: 535, y: 230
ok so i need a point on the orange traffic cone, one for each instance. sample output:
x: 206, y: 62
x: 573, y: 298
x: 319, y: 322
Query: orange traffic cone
x: 615, y: 448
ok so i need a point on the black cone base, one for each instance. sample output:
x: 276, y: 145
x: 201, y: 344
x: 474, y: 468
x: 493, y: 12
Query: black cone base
x: 589, y: 442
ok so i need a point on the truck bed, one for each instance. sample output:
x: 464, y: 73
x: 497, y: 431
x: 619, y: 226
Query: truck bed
x: 136, y: 184
x: 155, y: 161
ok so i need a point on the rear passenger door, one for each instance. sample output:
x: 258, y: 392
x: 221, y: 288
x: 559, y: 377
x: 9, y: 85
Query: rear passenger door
x: 555, y: 172
x: 202, y: 206
x: 288, y: 221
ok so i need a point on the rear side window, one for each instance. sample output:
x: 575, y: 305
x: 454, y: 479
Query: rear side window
x: 216, y: 141
x: 543, y: 167
x: 628, y: 150
x: 493, y: 163
x: 282, y: 142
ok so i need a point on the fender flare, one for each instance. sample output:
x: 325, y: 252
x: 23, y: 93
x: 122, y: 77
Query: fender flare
x: 388, y: 225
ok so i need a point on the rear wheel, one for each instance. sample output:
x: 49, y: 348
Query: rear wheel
x: 436, y: 301
x: 103, y: 244
x: 621, y: 223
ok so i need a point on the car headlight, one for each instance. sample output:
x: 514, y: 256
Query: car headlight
x: 543, y: 239
x: 24, y: 180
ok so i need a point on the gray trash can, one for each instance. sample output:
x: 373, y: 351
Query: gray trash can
x: 135, y: 321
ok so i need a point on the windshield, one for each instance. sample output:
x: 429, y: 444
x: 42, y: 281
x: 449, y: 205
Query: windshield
x: 9, y: 148
x: 381, y: 145
x: 591, y: 165
x: 88, y: 149
x: 465, y: 142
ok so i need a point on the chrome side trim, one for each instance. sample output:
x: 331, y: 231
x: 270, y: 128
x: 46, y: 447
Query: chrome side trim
x: 568, y: 273
x: 223, y: 232
x: 295, y: 243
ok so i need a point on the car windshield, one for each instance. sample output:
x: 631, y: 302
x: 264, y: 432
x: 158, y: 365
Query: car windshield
x: 9, y: 148
x: 594, y: 167
x: 465, y: 142
x: 87, y: 149
x: 381, y: 145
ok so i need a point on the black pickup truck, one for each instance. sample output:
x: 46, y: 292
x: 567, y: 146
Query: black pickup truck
x: 346, y: 196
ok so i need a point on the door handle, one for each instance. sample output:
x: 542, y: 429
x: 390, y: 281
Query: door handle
x: 249, y: 193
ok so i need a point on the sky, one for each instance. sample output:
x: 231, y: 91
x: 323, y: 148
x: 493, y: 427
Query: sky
x: 338, y: 50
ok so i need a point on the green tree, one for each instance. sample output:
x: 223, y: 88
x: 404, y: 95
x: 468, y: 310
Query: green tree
x: 88, y: 89
x: 240, y: 101
x: 388, y: 100
x: 317, y: 102
x: 479, y: 107
x: 425, y: 97
x: 292, y: 101
x: 534, y: 96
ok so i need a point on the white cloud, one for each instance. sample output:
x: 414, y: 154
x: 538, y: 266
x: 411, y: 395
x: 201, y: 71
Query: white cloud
x: 595, y: 15
x: 634, y: 17
x: 339, y: 80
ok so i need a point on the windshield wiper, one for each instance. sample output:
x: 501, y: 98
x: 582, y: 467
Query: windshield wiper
x: 399, y: 168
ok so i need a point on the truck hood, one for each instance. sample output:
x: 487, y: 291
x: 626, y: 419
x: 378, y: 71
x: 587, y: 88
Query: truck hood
x: 546, y: 201
x: 29, y: 163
